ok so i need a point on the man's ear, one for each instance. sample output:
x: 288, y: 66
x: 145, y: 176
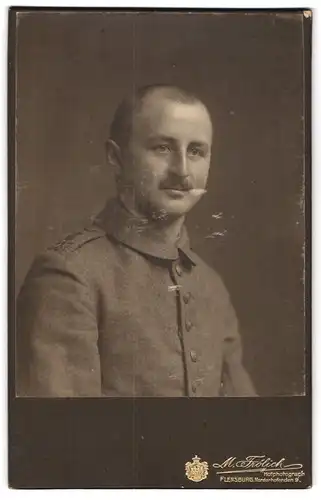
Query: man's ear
x: 114, y: 156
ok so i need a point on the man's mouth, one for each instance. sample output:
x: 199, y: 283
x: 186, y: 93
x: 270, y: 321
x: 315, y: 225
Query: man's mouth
x: 179, y: 191
x: 177, y: 188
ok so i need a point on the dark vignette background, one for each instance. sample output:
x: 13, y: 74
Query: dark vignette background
x: 73, y: 69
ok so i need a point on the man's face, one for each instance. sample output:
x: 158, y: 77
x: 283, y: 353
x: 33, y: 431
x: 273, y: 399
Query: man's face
x: 167, y: 161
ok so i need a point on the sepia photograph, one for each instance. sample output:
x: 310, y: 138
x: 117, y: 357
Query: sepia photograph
x: 108, y: 109
x: 160, y: 205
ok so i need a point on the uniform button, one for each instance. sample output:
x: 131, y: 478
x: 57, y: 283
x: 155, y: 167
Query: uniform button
x: 193, y: 355
x: 186, y: 297
x: 188, y: 325
x: 194, y: 388
x: 178, y: 270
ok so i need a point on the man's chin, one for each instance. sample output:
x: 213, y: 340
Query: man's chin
x: 171, y: 209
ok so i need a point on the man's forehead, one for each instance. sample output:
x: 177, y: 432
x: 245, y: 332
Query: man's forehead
x: 157, y: 109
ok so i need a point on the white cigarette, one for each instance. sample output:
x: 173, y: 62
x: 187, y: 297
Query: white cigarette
x: 197, y: 192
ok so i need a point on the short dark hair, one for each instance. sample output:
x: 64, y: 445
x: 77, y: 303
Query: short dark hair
x: 121, y: 126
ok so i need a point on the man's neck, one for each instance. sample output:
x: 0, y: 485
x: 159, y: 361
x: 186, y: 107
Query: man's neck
x: 167, y: 231
x: 164, y: 229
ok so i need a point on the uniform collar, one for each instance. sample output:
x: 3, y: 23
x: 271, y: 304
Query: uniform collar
x: 137, y: 233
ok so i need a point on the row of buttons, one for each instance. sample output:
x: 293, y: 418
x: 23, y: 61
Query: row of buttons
x: 179, y: 272
x: 188, y: 324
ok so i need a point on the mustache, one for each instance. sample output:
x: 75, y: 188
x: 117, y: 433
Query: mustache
x: 183, y: 184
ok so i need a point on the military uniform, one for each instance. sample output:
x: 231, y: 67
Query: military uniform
x: 114, y: 312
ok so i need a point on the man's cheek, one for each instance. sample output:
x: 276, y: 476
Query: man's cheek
x: 201, y: 178
x: 151, y: 177
x: 145, y: 184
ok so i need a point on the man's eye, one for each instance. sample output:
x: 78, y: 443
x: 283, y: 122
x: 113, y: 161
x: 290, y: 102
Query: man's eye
x: 161, y: 148
x: 196, y: 152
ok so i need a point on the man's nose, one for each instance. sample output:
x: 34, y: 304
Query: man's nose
x: 180, y: 164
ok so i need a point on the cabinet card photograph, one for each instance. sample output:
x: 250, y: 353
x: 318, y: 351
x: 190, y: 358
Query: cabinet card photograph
x: 159, y: 184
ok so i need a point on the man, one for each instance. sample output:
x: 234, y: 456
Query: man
x: 126, y: 308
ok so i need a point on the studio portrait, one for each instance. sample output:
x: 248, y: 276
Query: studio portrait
x: 159, y: 205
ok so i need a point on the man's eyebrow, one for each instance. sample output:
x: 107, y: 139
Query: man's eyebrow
x: 202, y: 144
x: 161, y: 137
x: 170, y: 139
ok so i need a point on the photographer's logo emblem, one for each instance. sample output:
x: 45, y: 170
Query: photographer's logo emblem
x: 196, y: 471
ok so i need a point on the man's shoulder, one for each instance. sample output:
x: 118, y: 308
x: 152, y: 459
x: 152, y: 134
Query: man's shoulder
x: 78, y: 253
x: 73, y: 243
x: 210, y: 276
x: 84, y: 249
x: 204, y: 266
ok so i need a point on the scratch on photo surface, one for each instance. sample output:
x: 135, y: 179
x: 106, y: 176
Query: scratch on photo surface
x: 219, y: 215
x: 216, y: 234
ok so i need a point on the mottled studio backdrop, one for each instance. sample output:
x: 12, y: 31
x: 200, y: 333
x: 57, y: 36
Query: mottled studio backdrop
x: 73, y: 69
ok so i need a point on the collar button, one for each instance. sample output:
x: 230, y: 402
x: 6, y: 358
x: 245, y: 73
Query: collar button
x: 178, y: 270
